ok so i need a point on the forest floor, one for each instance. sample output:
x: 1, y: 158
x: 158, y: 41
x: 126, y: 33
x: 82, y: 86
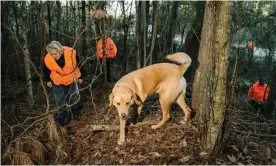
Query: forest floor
x: 247, y: 139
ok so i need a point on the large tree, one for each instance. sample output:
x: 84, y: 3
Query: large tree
x: 209, y: 88
x: 202, y: 84
x: 221, y: 53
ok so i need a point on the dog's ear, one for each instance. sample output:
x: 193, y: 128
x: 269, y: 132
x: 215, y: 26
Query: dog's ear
x: 111, y: 96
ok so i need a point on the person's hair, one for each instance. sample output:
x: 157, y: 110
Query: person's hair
x: 55, y: 45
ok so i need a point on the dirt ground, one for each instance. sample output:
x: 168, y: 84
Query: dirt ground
x: 247, y: 139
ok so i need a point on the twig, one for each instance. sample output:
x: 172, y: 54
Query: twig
x: 115, y: 127
x: 254, y: 134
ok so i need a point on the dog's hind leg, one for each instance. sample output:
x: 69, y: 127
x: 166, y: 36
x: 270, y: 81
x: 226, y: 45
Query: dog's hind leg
x: 181, y: 102
x: 165, y: 105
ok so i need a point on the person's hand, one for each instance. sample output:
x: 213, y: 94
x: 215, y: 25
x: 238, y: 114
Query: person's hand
x: 49, y: 84
x: 80, y: 81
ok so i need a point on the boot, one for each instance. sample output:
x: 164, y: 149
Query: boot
x: 63, y: 117
x: 77, y: 110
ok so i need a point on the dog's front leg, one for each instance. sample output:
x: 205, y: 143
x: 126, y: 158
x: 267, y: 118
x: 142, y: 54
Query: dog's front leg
x: 122, y: 132
x: 140, y: 107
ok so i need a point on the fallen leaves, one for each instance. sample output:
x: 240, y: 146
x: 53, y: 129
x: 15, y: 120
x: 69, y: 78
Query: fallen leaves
x: 155, y: 154
x: 184, y: 159
x: 232, y: 158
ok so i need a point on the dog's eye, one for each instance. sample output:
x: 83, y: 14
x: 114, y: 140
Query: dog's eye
x: 118, y: 103
x: 127, y: 103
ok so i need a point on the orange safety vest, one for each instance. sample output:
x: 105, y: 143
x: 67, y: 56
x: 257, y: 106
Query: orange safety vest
x: 68, y: 73
x: 110, y: 46
x: 257, y: 92
x: 250, y: 45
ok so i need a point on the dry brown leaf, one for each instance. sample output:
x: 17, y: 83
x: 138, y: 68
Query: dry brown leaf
x: 239, y: 156
x: 155, y: 153
x: 203, y: 153
x: 252, y: 144
x: 121, y: 161
x: 273, y: 160
x: 218, y: 162
x: 234, y: 148
x: 136, y: 131
x: 117, y: 149
x: 184, y: 159
x: 111, y: 134
x: 98, y: 162
x: 232, y: 158
x: 184, y: 142
x: 245, y: 150
x: 268, y: 153
x: 96, y: 154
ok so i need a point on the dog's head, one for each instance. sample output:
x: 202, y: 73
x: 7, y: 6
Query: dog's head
x: 122, y: 98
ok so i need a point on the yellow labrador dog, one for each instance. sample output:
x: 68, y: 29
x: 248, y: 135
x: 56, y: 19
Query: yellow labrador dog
x: 163, y: 78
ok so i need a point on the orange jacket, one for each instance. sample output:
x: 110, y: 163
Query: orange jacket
x: 111, y: 49
x: 65, y: 75
x: 257, y: 92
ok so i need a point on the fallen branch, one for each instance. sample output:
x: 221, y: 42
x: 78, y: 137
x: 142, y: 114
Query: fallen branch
x: 104, y: 128
x: 116, y: 128
x: 254, y: 134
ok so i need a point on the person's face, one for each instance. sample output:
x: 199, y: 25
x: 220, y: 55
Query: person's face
x: 261, y: 83
x: 55, y: 54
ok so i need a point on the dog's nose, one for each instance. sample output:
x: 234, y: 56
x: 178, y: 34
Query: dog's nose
x: 123, y: 116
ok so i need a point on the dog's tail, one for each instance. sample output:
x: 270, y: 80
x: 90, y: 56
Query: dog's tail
x: 181, y: 58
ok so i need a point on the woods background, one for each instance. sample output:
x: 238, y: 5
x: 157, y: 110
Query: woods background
x: 214, y: 34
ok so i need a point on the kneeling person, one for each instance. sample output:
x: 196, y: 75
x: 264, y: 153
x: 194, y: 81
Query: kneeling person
x: 258, y: 94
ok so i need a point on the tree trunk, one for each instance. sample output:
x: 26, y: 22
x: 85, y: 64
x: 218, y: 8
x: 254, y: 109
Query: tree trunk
x: 83, y: 20
x: 102, y: 33
x: 18, y: 57
x: 270, y: 107
x: 49, y: 19
x: 43, y: 35
x: 125, y: 27
x: 127, y: 55
x: 192, y: 41
x: 183, y: 30
x: 73, y: 5
x: 138, y: 34
x: 58, y: 20
x: 155, y: 25
x: 145, y: 31
x: 171, y: 34
x: 221, y: 52
x: 202, y: 84
x: 67, y: 28
x: 15, y: 17
x: 28, y: 73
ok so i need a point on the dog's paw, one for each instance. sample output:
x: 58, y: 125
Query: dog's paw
x: 120, y: 142
x: 185, y: 122
x: 154, y: 127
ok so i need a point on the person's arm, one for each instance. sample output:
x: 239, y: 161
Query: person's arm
x: 79, y: 65
x: 112, y: 47
x: 266, y: 93
x: 47, y: 73
x: 250, y: 93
